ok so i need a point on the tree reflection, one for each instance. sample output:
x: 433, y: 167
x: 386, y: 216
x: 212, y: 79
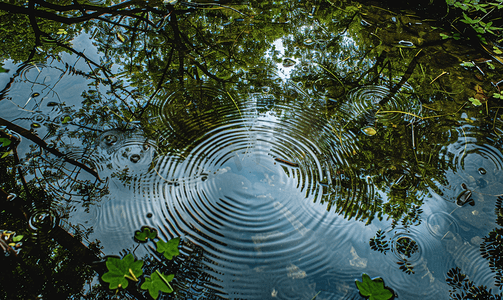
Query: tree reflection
x: 150, y: 50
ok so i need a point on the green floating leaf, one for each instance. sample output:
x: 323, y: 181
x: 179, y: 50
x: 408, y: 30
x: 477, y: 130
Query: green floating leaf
x: 120, y: 270
x: 4, y: 142
x: 498, y: 95
x: 4, y: 154
x: 157, y: 282
x: 475, y: 102
x: 467, y: 64
x: 373, y: 288
x: 66, y: 119
x: 17, y: 238
x: 145, y: 234
x: 169, y: 249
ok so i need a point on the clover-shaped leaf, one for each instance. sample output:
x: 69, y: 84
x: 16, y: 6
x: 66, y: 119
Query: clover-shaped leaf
x: 145, y: 234
x: 169, y: 249
x: 373, y: 288
x: 120, y: 270
x: 158, y: 282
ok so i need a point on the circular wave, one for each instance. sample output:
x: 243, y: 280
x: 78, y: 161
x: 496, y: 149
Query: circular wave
x: 363, y: 105
x: 475, y: 164
x: 440, y: 224
x: 240, y: 182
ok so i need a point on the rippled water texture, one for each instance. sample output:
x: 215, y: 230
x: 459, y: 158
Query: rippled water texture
x: 244, y: 180
x: 257, y: 183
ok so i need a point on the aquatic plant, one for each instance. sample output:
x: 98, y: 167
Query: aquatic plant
x: 465, y: 289
x: 492, y: 246
x: 4, y: 143
x: 10, y: 243
x: 373, y: 289
x: 157, y: 282
x: 120, y: 270
x: 480, y: 16
x: 145, y: 234
x: 378, y: 243
x: 168, y: 249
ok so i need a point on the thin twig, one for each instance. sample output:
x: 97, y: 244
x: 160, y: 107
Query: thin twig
x: 41, y: 143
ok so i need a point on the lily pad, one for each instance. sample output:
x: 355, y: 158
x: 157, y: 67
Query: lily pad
x: 145, y: 234
x: 373, y: 288
x: 169, y: 249
x: 120, y: 270
x: 158, y: 282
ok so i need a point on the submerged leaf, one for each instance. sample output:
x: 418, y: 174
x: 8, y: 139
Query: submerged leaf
x: 169, y: 249
x: 373, y: 288
x: 158, y: 282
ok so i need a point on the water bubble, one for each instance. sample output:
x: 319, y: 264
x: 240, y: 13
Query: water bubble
x: 43, y: 220
x: 309, y: 42
x: 406, y: 43
x: 149, y: 215
x: 266, y: 89
x: 52, y: 103
x: 482, y: 171
x: 465, y: 197
x: 110, y: 139
x: 135, y: 158
x: 35, y: 95
x: 288, y: 62
x: 35, y: 125
x: 39, y: 118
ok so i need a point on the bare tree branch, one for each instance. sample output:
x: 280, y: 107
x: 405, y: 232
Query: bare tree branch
x: 34, y: 138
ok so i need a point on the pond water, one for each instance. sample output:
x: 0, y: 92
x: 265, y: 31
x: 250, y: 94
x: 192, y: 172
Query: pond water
x: 291, y: 146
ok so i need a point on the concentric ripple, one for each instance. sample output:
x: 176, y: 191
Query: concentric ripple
x: 413, y: 249
x: 241, y: 184
x: 476, y: 163
x: 363, y: 104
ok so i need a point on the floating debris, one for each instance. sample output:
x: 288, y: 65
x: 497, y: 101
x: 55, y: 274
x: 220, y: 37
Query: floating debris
x: 309, y: 42
x: 288, y: 62
x: 365, y: 23
x: 406, y: 43
x: 286, y: 162
x: 370, y: 131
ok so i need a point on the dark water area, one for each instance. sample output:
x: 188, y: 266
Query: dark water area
x: 291, y: 146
